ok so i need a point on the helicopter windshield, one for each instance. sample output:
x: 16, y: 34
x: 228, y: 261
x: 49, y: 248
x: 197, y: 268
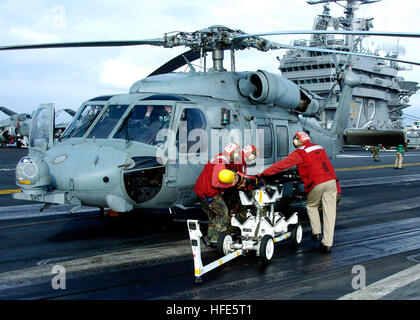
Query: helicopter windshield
x: 108, y: 120
x: 144, y: 122
x: 82, y: 122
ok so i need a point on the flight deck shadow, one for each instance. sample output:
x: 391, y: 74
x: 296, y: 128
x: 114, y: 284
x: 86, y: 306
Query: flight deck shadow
x: 133, y: 225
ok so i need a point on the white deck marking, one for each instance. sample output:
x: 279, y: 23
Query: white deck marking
x: 385, y: 286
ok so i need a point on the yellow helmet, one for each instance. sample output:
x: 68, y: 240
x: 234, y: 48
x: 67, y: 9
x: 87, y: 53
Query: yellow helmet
x: 226, y: 176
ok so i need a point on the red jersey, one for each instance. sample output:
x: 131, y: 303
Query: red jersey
x: 312, y: 163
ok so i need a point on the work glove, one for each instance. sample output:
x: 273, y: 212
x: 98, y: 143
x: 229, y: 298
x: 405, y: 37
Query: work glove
x: 260, y: 181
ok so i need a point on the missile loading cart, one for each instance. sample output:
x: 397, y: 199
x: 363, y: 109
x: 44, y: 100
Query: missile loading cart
x: 262, y: 228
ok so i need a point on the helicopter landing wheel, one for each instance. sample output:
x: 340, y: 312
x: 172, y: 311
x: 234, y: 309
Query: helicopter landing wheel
x: 224, y: 243
x: 266, y: 248
x: 297, y: 235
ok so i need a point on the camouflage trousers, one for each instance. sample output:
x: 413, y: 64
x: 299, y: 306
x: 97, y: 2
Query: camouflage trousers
x: 220, y: 210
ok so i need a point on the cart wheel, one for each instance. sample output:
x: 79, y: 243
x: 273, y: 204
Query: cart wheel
x: 224, y: 243
x: 266, y: 248
x: 297, y: 235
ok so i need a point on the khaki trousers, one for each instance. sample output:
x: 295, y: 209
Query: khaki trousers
x: 327, y: 192
x: 398, y: 160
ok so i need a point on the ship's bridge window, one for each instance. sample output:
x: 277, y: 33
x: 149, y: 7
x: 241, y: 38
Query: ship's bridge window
x: 144, y: 122
x: 82, y: 121
x: 108, y: 120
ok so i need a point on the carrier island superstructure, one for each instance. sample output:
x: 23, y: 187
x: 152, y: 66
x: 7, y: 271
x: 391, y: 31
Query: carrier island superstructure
x: 379, y: 101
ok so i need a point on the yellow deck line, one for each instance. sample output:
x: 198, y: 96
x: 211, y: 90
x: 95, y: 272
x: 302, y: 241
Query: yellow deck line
x: 376, y: 167
x: 9, y: 191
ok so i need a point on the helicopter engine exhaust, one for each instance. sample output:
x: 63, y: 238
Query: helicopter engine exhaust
x: 264, y: 87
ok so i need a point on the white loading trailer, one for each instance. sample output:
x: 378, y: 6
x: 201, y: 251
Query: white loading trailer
x: 262, y: 228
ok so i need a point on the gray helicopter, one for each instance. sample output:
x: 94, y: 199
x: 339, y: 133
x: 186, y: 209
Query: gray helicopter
x: 18, y: 126
x: 146, y: 148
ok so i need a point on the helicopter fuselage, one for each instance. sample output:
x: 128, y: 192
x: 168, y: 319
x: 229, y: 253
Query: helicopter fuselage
x: 146, y: 149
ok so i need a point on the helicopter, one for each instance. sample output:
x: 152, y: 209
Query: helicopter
x: 146, y: 148
x: 17, y: 126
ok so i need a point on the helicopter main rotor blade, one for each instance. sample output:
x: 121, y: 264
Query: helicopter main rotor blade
x: 177, y: 62
x: 276, y: 46
x: 70, y: 112
x: 7, y: 111
x: 339, y: 32
x: 155, y: 42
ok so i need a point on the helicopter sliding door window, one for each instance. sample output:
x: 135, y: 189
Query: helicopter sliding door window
x: 107, y: 122
x: 282, y: 136
x: 193, y: 124
x: 265, y: 138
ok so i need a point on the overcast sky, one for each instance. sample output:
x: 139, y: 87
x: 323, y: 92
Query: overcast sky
x: 68, y: 77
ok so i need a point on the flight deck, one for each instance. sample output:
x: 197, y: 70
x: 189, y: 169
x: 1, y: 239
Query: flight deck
x: 148, y: 256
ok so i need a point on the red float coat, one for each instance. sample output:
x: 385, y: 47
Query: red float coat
x: 312, y: 163
x: 208, y: 184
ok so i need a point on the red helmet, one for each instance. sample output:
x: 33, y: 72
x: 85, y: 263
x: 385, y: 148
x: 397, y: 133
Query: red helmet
x: 232, y: 150
x: 302, y: 137
x: 250, y: 152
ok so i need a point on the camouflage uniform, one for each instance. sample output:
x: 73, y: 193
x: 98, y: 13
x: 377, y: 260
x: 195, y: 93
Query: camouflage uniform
x: 233, y: 202
x: 220, y: 210
x: 218, y: 213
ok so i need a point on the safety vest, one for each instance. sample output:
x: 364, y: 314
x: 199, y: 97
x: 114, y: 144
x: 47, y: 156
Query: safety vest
x: 316, y: 167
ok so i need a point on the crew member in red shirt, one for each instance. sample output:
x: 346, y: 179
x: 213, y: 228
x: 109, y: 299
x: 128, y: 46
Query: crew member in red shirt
x: 231, y: 195
x: 210, y: 189
x: 321, y: 183
x: 220, y: 200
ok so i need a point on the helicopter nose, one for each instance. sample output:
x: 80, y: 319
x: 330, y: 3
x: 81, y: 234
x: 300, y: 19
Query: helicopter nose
x: 92, y: 173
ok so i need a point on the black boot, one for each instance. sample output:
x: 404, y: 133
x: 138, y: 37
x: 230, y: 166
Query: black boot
x: 324, y: 248
x: 316, y: 237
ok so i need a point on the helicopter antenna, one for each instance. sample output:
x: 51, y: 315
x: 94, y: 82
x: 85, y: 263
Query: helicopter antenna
x: 189, y: 64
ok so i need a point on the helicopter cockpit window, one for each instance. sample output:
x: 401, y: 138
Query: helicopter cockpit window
x: 144, y: 122
x: 23, y: 117
x: 82, y: 122
x: 108, y: 120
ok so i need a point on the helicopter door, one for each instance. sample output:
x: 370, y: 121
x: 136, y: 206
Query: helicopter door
x: 264, y: 142
x: 190, y: 125
x: 281, y: 133
x: 41, y: 135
